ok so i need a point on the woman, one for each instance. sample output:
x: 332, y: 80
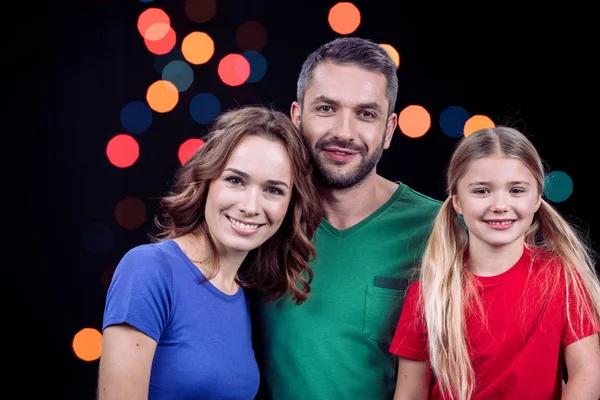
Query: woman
x: 241, y: 214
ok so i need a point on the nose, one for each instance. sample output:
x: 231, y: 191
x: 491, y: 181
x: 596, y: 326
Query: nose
x: 250, y: 202
x: 344, y: 128
x: 499, y: 203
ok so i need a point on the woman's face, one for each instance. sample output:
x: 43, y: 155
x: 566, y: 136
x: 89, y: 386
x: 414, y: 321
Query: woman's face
x: 246, y: 205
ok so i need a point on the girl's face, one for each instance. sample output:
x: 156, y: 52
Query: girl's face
x: 498, y: 198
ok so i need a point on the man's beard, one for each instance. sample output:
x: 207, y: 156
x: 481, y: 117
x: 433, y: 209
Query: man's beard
x: 327, y: 176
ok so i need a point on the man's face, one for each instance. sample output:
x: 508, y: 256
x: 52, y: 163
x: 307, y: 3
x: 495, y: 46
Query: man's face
x: 344, y: 121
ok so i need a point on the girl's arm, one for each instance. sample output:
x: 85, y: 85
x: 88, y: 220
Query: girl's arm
x: 414, y: 378
x: 125, y: 363
x: 583, y: 367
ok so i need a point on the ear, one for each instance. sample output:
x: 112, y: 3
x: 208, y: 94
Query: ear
x: 456, y: 204
x: 390, y: 127
x: 538, y: 203
x: 296, y: 113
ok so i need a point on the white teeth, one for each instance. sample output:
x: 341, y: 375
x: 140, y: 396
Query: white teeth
x: 339, y: 153
x: 242, y: 225
x: 500, y: 222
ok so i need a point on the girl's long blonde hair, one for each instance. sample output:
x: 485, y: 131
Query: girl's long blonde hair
x: 447, y: 288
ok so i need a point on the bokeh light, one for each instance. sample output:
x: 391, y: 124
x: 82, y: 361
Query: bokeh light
x: 122, y: 150
x: 162, y: 96
x: 234, y: 69
x: 392, y: 52
x: 179, y: 73
x: 344, y: 18
x: 251, y: 35
x: 200, y: 11
x: 204, y: 107
x: 97, y: 238
x: 558, y: 186
x: 477, y: 122
x: 414, y: 121
x: 163, y: 45
x: 87, y: 344
x: 130, y: 213
x: 188, y: 148
x: 136, y: 117
x: 258, y: 65
x: 150, y: 17
x: 452, y: 121
x: 197, y: 48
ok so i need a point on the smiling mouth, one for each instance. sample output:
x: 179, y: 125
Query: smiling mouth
x: 244, y: 226
x: 500, y: 223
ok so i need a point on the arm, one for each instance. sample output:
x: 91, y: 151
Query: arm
x: 414, y: 378
x: 125, y: 363
x: 583, y: 366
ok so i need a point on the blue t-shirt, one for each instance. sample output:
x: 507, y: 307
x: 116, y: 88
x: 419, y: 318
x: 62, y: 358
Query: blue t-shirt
x: 204, y: 348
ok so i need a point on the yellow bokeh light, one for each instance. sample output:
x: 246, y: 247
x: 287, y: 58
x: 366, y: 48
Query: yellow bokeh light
x: 393, y: 53
x: 477, y: 122
x: 344, y: 18
x: 197, y: 48
x: 162, y: 96
x: 414, y: 121
x: 87, y: 344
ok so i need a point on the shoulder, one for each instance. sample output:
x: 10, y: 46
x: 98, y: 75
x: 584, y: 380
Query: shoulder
x: 145, y: 262
x: 417, y: 196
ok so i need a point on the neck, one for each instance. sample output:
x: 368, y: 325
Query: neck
x: 345, y: 208
x: 196, y: 248
x: 485, y: 260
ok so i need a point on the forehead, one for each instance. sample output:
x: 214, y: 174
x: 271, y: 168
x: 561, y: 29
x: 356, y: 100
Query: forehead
x: 498, y: 169
x: 348, y: 84
x: 261, y: 158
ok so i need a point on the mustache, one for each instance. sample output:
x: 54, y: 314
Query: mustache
x: 338, y: 143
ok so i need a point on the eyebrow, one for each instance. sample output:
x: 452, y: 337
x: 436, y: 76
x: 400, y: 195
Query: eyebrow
x: 482, y: 183
x: 361, y: 106
x: 245, y: 175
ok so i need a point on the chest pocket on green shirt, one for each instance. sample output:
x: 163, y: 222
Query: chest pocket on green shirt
x: 383, y: 306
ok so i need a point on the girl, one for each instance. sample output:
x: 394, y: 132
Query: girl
x: 500, y: 306
x: 241, y: 214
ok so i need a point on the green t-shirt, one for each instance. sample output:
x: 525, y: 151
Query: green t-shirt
x: 336, y: 344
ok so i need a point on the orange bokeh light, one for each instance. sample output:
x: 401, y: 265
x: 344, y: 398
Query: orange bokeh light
x: 130, y: 213
x: 162, y: 96
x: 197, y: 48
x: 122, y: 150
x: 393, y: 53
x: 344, y: 18
x: 234, y: 69
x: 414, y: 121
x: 87, y: 344
x: 477, y: 122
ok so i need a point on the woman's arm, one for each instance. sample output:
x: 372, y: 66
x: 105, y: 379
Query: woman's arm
x: 583, y: 367
x: 414, y: 378
x: 125, y: 363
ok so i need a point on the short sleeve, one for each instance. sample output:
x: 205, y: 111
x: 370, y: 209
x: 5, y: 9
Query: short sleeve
x: 410, y: 337
x: 583, y: 323
x: 140, y: 291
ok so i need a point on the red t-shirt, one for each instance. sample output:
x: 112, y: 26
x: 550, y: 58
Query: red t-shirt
x: 517, y: 355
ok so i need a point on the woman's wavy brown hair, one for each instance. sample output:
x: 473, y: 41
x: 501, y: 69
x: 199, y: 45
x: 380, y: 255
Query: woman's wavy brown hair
x: 281, y: 263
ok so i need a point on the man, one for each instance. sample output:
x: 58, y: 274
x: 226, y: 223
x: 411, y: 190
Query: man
x: 336, y: 345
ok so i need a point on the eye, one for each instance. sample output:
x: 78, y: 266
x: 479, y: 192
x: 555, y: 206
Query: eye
x: 325, y: 109
x: 517, y: 190
x: 234, y: 180
x: 368, y: 114
x: 274, y: 190
x: 481, y: 191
